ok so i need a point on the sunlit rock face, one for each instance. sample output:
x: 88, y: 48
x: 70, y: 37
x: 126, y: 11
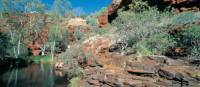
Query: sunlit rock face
x: 73, y: 25
x: 97, y: 44
x: 116, y: 4
x: 111, y: 13
x: 178, y: 5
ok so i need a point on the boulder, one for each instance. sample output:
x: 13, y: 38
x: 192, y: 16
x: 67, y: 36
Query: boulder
x: 97, y: 44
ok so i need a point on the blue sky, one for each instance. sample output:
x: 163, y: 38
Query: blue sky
x: 86, y: 6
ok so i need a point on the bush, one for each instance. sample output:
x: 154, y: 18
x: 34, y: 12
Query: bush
x: 185, y: 18
x: 195, y: 53
x: 76, y: 71
x: 79, y: 35
x: 157, y: 44
x: 5, y: 45
x: 92, y: 21
x: 145, y: 32
x: 139, y: 5
x: 75, y: 82
x: 190, y: 38
x: 60, y: 36
x: 101, y: 31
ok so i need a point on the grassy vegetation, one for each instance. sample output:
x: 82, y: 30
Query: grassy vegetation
x: 43, y: 59
x: 75, y: 82
x: 144, y: 32
x: 185, y: 18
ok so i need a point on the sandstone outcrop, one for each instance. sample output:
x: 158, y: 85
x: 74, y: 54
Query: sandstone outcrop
x: 72, y: 26
x: 111, y: 69
x: 179, y: 5
x: 111, y: 12
x: 147, y: 72
x: 73, y: 23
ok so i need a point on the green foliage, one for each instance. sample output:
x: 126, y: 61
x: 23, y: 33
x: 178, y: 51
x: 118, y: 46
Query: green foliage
x: 191, y: 35
x: 21, y: 28
x: 22, y: 6
x: 79, y: 35
x: 17, y: 36
x: 92, y: 21
x: 145, y: 32
x: 56, y: 33
x: 195, y: 52
x: 189, y: 38
x: 157, y: 44
x: 5, y: 45
x: 139, y: 5
x: 185, y: 17
x: 42, y: 59
x: 75, y: 82
x: 73, y: 54
x: 76, y: 71
x: 100, y: 31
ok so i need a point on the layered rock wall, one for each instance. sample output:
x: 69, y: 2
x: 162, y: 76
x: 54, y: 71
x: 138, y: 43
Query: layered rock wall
x: 178, y: 5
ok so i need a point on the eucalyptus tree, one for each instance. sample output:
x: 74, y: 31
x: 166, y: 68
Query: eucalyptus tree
x: 58, y: 11
x: 20, y: 22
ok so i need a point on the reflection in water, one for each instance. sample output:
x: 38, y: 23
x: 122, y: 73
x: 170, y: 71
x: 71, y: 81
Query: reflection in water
x: 33, y: 76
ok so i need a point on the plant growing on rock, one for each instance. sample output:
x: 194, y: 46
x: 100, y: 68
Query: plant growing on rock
x: 189, y: 38
x: 185, y: 18
x: 75, y: 82
x: 139, y: 5
x: 157, y: 44
x: 92, y: 21
x: 145, y: 32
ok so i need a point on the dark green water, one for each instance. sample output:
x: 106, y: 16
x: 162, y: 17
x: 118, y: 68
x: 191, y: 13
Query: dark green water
x: 35, y: 75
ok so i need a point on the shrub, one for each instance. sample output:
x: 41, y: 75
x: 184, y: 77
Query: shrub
x: 157, y: 44
x: 92, y: 21
x: 195, y: 53
x: 189, y: 38
x: 185, y: 18
x: 70, y: 55
x: 5, y: 45
x: 59, y: 36
x: 75, y: 82
x: 101, y: 31
x: 145, y: 32
x: 139, y: 5
x: 79, y: 35
x: 76, y: 71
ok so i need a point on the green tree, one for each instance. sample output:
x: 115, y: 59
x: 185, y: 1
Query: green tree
x: 18, y: 24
